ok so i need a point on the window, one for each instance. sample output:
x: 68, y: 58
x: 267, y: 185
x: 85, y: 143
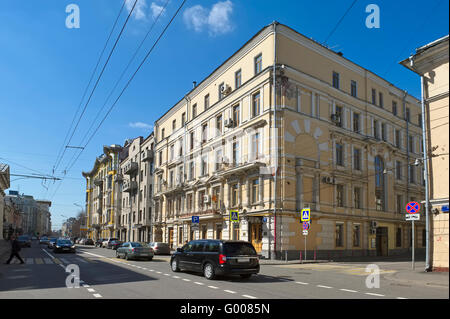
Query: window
x: 399, y: 204
x: 408, y: 115
x: 380, y: 98
x: 221, y: 89
x: 339, y: 115
x: 206, y: 102
x: 383, y: 132
x: 201, y: 200
x: 374, y: 96
x: 160, y: 158
x: 205, y: 133
x: 356, y: 235
x: 419, y: 120
x: 180, y: 144
x: 397, y: 139
x: 191, y: 170
x: 189, y: 202
x: 357, y: 197
x: 412, y: 174
x: 424, y: 238
x: 191, y: 135
x: 379, y: 184
x: 171, y: 180
x: 219, y: 125
x: 162, y: 133
x: 340, y: 195
x: 255, y: 146
x: 336, y: 80
x: 174, y: 125
x: 394, y: 108
x: 339, y: 235
x: 236, y: 116
x: 375, y: 130
x: 238, y: 79
x: 256, y: 104
x: 357, y: 159
x: 356, y: 126
x: 339, y: 154
x: 183, y: 119
x: 411, y: 143
x: 218, y: 158
x: 172, y: 152
x: 255, y: 191
x: 258, y: 64
x: 234, y: 194
x: 398, y: 237
x: 398, y: 170
x: 204, y: 166
x: 353, y: 87
x: 194, y: 111
x: 180, y: 235
x: 235, y: 152
x: 213, y: 247
x: 218, y: 232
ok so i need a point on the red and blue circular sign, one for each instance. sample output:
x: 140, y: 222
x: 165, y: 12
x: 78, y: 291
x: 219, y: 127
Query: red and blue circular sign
x: 305, y: 226
x: 413, y: 207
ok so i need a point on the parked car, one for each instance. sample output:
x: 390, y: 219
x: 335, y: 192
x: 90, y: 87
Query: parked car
x: 64, y: 245
x: 217, y: 257
x: 160, y: 248
x: 114, y: 244
x: 51, y: 242
x: 43, y: 240
x: 133, y: 250
x: 33, y: 238
x: 24, y: 241
x: 88, y: 241
x: 107, y: 241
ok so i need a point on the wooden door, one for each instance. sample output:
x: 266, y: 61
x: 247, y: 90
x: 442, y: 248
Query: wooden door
x: 256, y: 237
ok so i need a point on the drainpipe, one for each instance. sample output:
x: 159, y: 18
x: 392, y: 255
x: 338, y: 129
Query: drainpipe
x: 275, y: 136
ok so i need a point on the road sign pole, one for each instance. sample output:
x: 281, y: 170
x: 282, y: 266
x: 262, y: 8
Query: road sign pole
x: 413, y: 244
x: 305, y: 247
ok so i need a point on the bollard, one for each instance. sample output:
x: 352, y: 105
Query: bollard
x: 314, y: 255
x: 286, y: 255
x: 301, y: 257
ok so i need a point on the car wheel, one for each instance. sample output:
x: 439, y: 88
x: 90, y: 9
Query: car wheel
x: 246, y: 276
x: 150, y: 259
x: 174, y: 265
x: 117, y: 254
x: 208, y: 271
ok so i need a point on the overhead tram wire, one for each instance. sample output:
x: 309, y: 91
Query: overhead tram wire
x: 96, y: 83
x: 69, y: 167
x: 123, y: 73
x: 339, y: 22
x: 63, y: 148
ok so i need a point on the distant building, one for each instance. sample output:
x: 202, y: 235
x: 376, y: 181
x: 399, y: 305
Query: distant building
x: 431, y: 62
x: 4, y: 184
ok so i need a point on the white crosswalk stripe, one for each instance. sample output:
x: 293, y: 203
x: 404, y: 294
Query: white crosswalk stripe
x: 29, y: 261
x: 48, y: 261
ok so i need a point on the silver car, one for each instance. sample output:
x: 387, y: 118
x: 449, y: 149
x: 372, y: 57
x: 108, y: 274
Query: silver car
x: 160, y: 248
x: 134, y: 250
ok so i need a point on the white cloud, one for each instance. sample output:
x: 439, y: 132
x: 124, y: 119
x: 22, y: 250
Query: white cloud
x: 217, y: 20
x: 140, y: 125
x: 139, y: 9
x: 156, y: 10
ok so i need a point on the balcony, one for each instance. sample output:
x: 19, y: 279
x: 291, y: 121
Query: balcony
x: 129, y: 186
x: 130, y: 168
x: 98, y: 181
x: 147, y: 155
x: 118, y: 178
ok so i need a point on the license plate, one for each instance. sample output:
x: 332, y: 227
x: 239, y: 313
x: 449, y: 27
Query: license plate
x: 66, y: 248
x: 243, y: 260
x: 144, y: 254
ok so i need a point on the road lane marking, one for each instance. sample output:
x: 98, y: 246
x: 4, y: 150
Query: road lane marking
x: 48, y: 261
x: 320, y: 286
x: 176, y: 277
x: 86, y: 286
x: 401, y: 298
x: 97, y: 295
x: 301, y: 283
x: 248, y: 296
x: 372, y: 294
x: 91, y: 290
x: 158, y: 272
x: 348, y: 290
x: 213, y: 287
x: 29, y: 261
x: 198, y: 283
x: 166, y: 275
x: 230, y: 291
x: 187, y: 280
x: 56, y: 261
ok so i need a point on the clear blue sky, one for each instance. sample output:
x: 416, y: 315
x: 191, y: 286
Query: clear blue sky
x: 45, y: 67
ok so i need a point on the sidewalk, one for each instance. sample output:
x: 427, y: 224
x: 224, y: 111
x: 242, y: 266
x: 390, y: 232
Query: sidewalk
x: 290, y: 262
x: 418, y: 276
x: 5, y: 249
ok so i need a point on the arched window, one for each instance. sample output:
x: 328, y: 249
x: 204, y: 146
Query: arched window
x: 379, y: 184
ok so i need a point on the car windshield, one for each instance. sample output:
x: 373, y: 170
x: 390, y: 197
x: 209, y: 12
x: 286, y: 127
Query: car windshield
x: 136, y: 245
x: 23, y: 238
x: 239, y: 249
x: 64, y: 242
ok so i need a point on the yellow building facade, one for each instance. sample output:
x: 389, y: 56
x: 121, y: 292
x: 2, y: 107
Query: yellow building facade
x: 100, y: 193
x: 341, y: 141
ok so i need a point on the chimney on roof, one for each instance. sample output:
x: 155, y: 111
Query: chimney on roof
x: 340, y: 53
x: 194, y: 84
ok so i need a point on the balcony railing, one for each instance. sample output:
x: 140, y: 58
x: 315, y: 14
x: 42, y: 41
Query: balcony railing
x: 130, y: 168
x: 147, y: 155
x: 129, y: 186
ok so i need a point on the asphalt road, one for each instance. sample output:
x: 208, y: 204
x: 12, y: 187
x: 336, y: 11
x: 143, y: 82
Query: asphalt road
x: 102, y: 275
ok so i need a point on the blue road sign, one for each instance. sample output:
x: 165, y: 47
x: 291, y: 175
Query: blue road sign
x: 264, y: 219
x: 444, y: 208
x: 195, y: 219
x: 234, y: 216
x: 306, y: 215
x: 412, y: 207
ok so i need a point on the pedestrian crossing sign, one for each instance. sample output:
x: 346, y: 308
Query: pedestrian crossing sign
x: 306, y: 215
x: 234, y: 216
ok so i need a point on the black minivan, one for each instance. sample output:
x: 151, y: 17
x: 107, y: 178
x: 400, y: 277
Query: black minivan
x: 216, y: 257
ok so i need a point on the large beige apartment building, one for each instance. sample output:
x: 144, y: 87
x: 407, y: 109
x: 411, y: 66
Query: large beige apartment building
x: 329, y: 135
x: 431, y: 62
